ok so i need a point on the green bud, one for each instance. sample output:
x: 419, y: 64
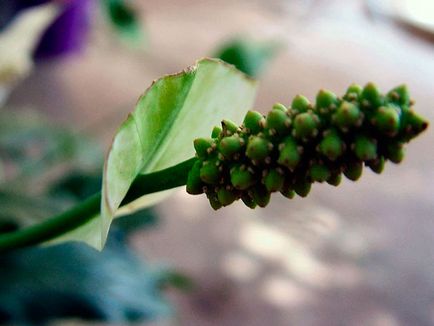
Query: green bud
x: 278, y: 120
x: 395, y: 152
x: 400, y: 96
x: 216, y: 132
x: 347, y: 116
x: 319, y: 172
x: 258, y: 148
x: 302, y: 188
x: 209, y: 173
x: 386, y: 120
x: 306, y: 125
x: 335, y: 179
x: 371, y: 96
x: 230, y: 145
x: 254, y: 121
x: 376, y: 165
x: 260, y: 195
x: 287, y: 190
x: 203, y: 147
x: 229, y: 127
x: 331, y: 145
x: 326, y: 99
x: 289, y: 155
x: 353, y: 92
x: 248, y: 201
x: 280, y: 107
x: 365, y: 148
x: 300, y: 104
x: 241, y: 178
x: 273, y: 181
x: 414, y: 124
x: 194, y: 182
x: 225, y: 196
x: 353, y: 170
x: 213, y: 200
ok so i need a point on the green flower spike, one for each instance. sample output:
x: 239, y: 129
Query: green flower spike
x: 289, y: 149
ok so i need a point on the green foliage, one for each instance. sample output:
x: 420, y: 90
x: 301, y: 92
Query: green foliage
x: 251, y: 57
x: 19, y: 210
x: 30, y: 146
x: 72, y: 280
x: 125, y: 21
x: 32, y: 150
x: 289, y: 149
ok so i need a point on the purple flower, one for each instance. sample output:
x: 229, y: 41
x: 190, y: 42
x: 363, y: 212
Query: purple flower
x: 67, y: 34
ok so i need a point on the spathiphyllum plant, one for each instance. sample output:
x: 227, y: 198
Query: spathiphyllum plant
x: 171, y: 139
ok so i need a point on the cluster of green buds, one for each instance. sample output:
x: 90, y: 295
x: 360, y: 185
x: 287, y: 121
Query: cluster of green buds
x: 290, y: 148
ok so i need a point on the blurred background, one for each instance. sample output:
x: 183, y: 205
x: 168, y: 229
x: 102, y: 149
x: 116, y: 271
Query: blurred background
x: 359, y: 254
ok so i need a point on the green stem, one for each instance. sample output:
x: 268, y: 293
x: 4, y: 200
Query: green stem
x: 88, y: 209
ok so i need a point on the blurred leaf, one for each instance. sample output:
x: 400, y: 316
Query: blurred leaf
x: 125, y: 21
x: 32, y: 149
x: 177, y: 280
x: 77, y: 185
x: 17, y: 210
x: 251, y: 57
x: 75, y: 281
x: 140, y: 219
x: 32, y: 146
x: 2, y: 173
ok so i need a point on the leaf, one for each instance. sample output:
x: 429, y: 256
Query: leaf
x: 74, y: 281
x: 125, y: 21
x: 33, y: 151
x: 31, y: 147
x: 251, y: 57
x: 2, y: 173
x: 174, y: 111
x: 18, y: 211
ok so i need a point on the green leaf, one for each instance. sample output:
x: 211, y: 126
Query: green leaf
x: 174, y: 111
x: 2, y: 173
x: 125, y: 21
x: 18, y: 211
x: 31, y: 146
x: 73, y: 281
x: 251, y: 57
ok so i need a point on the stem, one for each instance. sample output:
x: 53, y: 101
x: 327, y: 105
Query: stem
x: 88, y: 209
